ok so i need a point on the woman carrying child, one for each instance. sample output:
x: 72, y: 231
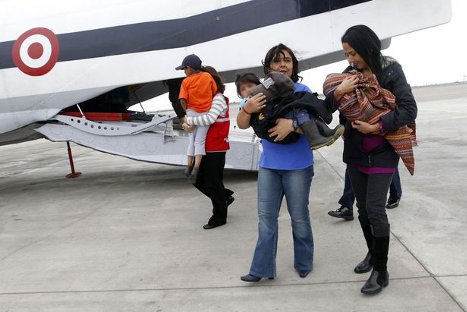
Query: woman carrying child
x: 371, y: 160
x: 284, y: 169
x: 210, y: 179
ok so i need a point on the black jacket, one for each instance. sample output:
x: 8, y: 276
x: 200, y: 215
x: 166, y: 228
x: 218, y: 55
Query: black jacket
x: 281, y: 108
x: 391, y: 78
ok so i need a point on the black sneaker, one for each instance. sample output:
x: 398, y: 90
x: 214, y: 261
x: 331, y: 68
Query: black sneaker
x: 392, y: 203
x: 342, y: 212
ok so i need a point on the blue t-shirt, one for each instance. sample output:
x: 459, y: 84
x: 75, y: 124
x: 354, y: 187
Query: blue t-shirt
x: 291, y: 156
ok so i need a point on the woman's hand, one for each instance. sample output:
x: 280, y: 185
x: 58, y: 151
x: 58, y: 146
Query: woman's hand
x: 348, y: 85
x: 255, y: 104
x: 365, y: 127
x: 281, y: 130
x: 187, y: 127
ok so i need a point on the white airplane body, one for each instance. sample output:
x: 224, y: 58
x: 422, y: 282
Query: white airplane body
x: 54, y: 55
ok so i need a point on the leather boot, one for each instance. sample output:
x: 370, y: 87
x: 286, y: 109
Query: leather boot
x: 377, y: 281
x: 315, y: 138
x: 366, y: 264
x: 380, y: 253
x: 379, y: 278
x: 326, y: 131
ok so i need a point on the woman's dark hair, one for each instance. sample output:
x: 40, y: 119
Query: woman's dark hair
x: 274, y: 54
x: 246, y: 78
x: 215, y: 75
x: 367, y: 44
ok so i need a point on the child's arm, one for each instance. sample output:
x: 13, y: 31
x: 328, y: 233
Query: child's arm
x: 254, y: 105
x: 218, y: 106
x: 183, y: 95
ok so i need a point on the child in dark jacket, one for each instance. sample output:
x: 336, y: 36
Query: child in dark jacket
x: 304, y: 108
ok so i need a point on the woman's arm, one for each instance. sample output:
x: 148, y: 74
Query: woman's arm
x: 406, y: 111
x: 254, y: 105
x: 218, y: 106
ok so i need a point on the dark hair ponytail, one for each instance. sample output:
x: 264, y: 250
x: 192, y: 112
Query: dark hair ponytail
x: 215, y: 75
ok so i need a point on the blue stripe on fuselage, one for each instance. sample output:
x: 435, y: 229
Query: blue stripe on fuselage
x: 169, y: 34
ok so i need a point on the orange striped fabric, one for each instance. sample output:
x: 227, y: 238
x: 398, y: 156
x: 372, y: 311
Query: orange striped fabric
x: 368, y: 103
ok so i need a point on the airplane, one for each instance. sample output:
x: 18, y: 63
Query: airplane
x: 70, y: 70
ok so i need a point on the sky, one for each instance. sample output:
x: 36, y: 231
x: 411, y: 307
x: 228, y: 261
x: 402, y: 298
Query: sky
x: 431, y: 56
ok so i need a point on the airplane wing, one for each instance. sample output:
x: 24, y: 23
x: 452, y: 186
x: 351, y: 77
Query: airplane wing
x: 54, y: 55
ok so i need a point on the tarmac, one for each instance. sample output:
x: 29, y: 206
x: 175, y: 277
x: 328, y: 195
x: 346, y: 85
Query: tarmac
x: 127, y: 235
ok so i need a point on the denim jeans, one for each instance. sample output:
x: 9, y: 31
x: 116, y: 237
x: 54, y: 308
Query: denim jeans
x: 348, y: 197
x: 272, y: 186
x: 395, y: 190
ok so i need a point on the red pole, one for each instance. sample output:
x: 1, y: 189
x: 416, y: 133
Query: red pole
x: 73, y: 174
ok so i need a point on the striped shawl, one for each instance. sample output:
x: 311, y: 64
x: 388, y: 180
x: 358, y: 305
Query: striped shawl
x: 368, y: 103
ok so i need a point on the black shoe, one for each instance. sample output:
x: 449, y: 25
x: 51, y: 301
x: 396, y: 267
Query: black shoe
x: 252, y: 279
x: 229, y: 200
x: 342, y: 212
x: 392, y: 203
x: 364, y: 266
x: 377, y: 281
x: 211, y: 226
x: 303, y: 274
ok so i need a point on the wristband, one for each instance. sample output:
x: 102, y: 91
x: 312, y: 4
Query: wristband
x: 295, y: 124
x: 244, y: 110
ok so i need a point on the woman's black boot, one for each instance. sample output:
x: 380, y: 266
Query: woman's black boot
x: 366, y: 264
x: 379, y: 278
x: 377, y: 281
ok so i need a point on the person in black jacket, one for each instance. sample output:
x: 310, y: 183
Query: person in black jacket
x: 371, y: 160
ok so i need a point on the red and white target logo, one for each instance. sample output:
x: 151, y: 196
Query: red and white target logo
x: 36, y: 51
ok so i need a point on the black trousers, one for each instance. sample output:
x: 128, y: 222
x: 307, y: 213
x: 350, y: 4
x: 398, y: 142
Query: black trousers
x: 210, y: 182
x: 371, y: 193
x: 348, y: 198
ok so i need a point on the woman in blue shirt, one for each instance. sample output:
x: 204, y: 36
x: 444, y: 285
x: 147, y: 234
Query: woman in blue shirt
x: 284, y: 169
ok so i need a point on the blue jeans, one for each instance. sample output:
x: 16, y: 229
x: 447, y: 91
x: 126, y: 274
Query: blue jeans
x: 272, y: 186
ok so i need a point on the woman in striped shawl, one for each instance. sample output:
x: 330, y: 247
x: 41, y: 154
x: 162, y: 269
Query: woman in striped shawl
x: 373, y: 111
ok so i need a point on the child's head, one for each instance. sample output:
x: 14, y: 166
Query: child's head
x: 191, y: 64
x: 245, y: 82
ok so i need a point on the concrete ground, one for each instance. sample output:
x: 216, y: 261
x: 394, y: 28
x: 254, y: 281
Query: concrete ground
x: 127, y: 235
